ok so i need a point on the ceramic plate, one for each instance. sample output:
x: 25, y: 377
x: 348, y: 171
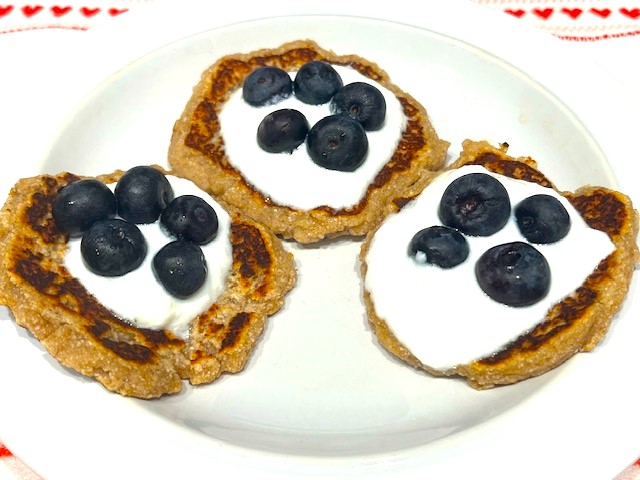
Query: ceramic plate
x: 319, y: 396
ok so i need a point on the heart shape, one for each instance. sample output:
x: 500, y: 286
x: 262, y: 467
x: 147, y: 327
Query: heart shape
x: 604, y: 12
x: 60, y: 11
x: 5, y: 10
x: 516, y: 13
x: 30, y: 11
x: 115, y: 11
x: 4, y: 451
x: 630, y: 12
x: 89, y: 12
x: 572, y: 12
x: 544, y: 13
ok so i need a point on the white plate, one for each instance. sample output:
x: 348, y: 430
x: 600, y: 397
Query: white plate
x: 319, y: 396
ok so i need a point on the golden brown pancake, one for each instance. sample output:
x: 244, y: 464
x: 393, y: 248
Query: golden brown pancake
x: 197, y: 149
x: 579, y: 321
x: 84, y: 335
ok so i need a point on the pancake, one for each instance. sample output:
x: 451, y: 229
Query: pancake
x: 575, y: 324
x: 197, y: 149
x: 84, y: 335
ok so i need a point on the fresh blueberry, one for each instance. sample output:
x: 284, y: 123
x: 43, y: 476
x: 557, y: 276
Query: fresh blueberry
x: 438, y: 245
x: 338, y: 142
x: 282, y: 131
x: 476, y: 204
x: 542, y: 219
x: 363, y: 102
x: 181, y: 268
x: 80, y: 204
x: 113, y: 247
x: 514, y: 274
x: 142, y: 193
x: 266, y: 86
x: 190, y: 218
x: 316, y: 82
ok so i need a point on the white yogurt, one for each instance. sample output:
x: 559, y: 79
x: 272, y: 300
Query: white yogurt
x: 293, y: 179
x: 442, y: 315
x: 138, y: 297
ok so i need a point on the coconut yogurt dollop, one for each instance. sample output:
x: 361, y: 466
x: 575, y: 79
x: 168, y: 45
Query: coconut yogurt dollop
x: 293, y: 179
x: 442, y: 315
x: 137, y: 296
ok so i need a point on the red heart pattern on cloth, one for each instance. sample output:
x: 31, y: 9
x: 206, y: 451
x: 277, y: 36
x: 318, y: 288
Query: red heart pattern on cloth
x: 576, y: 20
x: 631, y: 13
x: 516, y: 13
x: 601, y: 12
x: 60, y: 11
x: 544, y: 13
x: 31, y: 10
x: 116, y: 11
x: 89, y: 12
x: 4, y: 451
x: 56, y: 11
x: 572, y: 12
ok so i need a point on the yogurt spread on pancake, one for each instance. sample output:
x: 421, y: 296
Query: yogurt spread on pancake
x: 293, y: 179
x: 442, y: 315
x: 138, y: 297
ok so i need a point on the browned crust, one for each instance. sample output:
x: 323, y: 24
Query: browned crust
x: 575, y: 324
x: 223, y: 337
x: 82, y: 334
x: 197, y: 149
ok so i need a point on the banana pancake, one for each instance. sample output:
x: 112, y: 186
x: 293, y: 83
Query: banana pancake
x: 199, y: 151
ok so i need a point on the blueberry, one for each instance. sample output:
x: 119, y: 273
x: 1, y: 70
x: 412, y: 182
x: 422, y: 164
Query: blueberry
x: 361, y: 101
x: 542, y: 219
x: 282, y: 131
x: 142, y: 193
x: 113, y: 247
x: 316, y: 82
x: 515, y: 274
x: 190, y: 218
x: 266, y: 86
x: 181, y: 268
x: 438, y: 245
x: 475, y: 204
x: 80, y: 204
x: 338, y: 142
